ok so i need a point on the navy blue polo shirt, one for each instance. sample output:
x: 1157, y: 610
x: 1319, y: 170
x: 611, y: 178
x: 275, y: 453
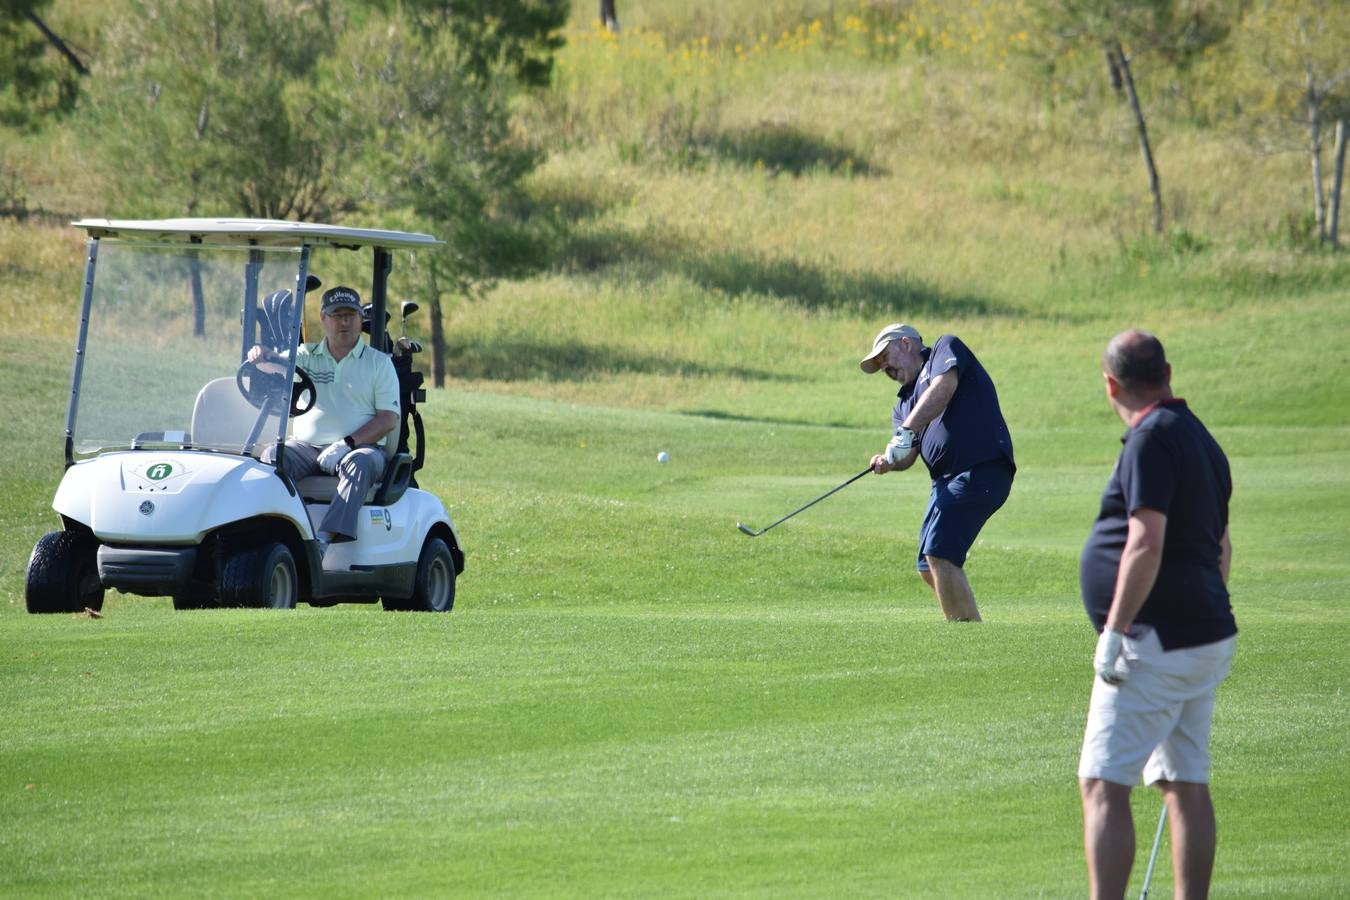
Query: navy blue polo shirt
x: 971, y: 429
x: 1171, y: 464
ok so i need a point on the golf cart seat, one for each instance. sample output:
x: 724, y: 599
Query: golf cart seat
x: 220, y: 415
x: 397, y: 475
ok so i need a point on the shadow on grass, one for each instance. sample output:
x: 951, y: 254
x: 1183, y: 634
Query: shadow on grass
x: 816, y: 288
x: 568, y: 238
x: 572, y: 200
x: 35, y: 215
x: 792, y: 282
x: 724, y: 416
x: 514, y: 359
x: 785, y: 148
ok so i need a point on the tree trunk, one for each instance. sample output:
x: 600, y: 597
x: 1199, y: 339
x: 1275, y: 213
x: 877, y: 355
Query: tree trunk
x: 437, y: 336
x: 1113, y: 72
x: 1154, y: 187
x: 1337, y: 178
x: 608, y: 16
x: 198, y: 295
x: 1315, y: 152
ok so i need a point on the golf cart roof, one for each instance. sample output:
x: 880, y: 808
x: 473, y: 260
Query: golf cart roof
x: 268, y: 232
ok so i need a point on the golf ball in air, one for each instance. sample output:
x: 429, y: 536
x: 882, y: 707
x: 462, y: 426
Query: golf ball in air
x: 663, y: 457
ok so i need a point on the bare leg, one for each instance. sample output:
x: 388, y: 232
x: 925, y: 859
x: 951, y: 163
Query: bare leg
x: 953, y: 591
x: 1190, y: 813
x: 1108, y: 837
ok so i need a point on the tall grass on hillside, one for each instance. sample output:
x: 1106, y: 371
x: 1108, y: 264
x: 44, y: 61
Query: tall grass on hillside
x: 611, y: 84
x: 941, y: 95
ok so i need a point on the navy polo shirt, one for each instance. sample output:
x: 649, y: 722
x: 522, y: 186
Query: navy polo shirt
x: 971, y: 429
x: 1170, y: 463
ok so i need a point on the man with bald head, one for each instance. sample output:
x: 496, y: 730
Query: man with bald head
x: 1154, y: 579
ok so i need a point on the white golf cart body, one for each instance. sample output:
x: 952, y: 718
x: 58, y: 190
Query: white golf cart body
x: 166, y: 491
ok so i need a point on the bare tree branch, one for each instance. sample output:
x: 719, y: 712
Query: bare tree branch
x: 55, y: 40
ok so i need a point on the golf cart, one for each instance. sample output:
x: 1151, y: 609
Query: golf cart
x: 165, y: 490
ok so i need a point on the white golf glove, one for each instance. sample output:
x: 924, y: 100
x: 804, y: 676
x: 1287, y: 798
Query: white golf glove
x: 332, y: 455
x: 1107, y: 655
x: 900, y: 445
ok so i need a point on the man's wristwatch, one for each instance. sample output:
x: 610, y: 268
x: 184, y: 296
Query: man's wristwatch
x: 351, y: 444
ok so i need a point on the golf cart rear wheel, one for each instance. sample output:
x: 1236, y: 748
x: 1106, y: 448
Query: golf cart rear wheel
x: 434, y: 590
x: 260, y: 578
x: 63, y: 574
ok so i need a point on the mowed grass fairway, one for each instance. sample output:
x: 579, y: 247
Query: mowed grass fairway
x: 631, y: 698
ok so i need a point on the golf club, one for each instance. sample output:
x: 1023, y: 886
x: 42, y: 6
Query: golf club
x: 1152, y: 857
x: 750, y: 532
x: 406, y: 308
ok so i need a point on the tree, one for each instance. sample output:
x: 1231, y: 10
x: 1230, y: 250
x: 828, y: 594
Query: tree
x: 437, y: 154
x: 31, y: 84
x: 209, y: 106
x: 274, y: 109
x: 609, y: 16
x: 522, y: 35
x: 1173, y: 31
x: 1289, y: 72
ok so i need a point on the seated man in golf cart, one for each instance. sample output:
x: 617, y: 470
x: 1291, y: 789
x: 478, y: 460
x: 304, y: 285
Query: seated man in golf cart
x: 356, y: 406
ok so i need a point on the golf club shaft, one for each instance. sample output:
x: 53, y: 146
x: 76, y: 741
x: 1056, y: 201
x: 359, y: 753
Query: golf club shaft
x: 865, y: 471
x: 1153, y: 857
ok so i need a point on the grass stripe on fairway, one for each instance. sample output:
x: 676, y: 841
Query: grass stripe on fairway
x: 762, y: 748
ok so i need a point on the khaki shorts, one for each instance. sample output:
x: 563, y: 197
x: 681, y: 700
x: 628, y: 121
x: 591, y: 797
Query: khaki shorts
x: 1156, y: 724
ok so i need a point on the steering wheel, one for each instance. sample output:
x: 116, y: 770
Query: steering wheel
x: 256, y: 386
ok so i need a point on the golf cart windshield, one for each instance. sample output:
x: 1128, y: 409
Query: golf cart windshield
x: 164, y: 347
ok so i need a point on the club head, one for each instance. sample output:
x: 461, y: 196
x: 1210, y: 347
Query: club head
x: 312, y: 283
x: 408, y: 307
x: 366, y: 309
x: 748, y: 531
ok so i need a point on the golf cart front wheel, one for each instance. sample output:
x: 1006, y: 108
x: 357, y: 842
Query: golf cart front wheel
x: 260, y: 578
x: 434, y: 589
x: 63, y: 574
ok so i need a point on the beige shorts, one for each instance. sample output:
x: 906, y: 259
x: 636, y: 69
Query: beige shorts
x: 1156, y: 724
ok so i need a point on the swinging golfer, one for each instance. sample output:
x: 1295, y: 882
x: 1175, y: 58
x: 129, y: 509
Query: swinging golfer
x: 1154, y: 578
x: 948, y: 413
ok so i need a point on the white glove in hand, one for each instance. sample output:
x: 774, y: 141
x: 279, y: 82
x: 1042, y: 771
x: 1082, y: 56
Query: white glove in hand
x: 900, y: 445
x: 332, y: 455
x: 1108, y: 652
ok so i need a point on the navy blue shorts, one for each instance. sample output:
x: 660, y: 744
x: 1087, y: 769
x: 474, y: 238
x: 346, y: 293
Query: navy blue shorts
x: 958, y: 508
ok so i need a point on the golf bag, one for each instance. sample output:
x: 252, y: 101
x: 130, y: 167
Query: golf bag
x: 275, y: 318
x: 410, y: 393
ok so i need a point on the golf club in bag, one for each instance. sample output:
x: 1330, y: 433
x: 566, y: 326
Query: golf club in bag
x: 750, y: 532
x: 410, y: 381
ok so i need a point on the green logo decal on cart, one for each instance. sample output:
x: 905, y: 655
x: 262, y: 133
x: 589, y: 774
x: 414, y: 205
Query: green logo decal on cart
x: 157, y: 475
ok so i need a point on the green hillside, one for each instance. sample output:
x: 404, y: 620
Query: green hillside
x: 631, y: 698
